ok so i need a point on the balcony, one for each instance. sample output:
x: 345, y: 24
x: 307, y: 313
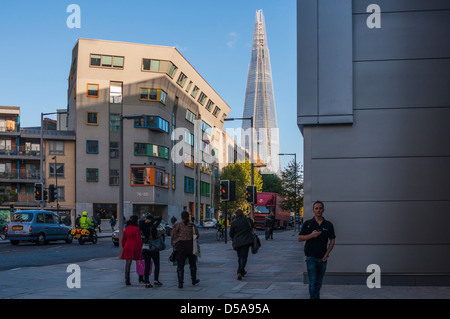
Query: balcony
x: 20, y: 176
x: 21, y: 153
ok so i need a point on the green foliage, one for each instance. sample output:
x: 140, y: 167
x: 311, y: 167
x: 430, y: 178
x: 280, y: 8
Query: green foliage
x: 272, y: 183
x: 241, y: 174
x: 292, y: 187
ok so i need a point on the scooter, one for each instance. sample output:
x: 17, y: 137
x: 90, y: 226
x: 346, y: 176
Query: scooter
x: 84, y: 235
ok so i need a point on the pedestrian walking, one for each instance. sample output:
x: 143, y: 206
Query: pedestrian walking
x: 132, y: 245
x: 315, y: 233
x: 149, y: 231
x: 241, y: 229
x: 182, y: 241
x: 98, y: 221
x: 112, y: 222
x: 269, y: 224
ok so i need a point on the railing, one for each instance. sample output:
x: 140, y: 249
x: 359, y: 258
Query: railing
x: 22, y: 151
x: 26, y: 174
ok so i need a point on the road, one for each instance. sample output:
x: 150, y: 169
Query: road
x: 30, y: 255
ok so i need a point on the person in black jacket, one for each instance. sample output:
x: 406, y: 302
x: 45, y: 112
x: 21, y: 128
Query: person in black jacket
x: 241, y: 235
x: 149, y: 230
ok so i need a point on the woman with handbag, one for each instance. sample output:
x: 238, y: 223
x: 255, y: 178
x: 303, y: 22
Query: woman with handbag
x: 182, y: 241
x: 131, y: 245
x: 149, y: 230
x: 241, y: 233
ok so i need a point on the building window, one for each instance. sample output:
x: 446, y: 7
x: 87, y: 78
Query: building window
x: 107, y: 61
x: 55, y: 147
x: 209, y: 105
x: 189, y: 138
x: 182, y: 79
x: 92, y: 90
x: 189, y: 160
x: 60, y: 192
x: 59, y: 170
x: 113, y: 177
x: 189, y: 86
x: 92, y: 118
x: 188, y: 185
x: 195, y: 91
x: 205, y: 189
x: 206, y: 128
x: 92, y: 174
x: 161, y: 66
x: 149, y: 94
x: 114, y: 150
x: 152, y: 122
x: 202, y: 98
x: 91, y: 147
x: 149, y: 176
x: 115, y: 92
x: 190, y: 116
x: 216, y: 111
x: 224, y: 116
x: 96, y: 59
x: 114, y: 122
x: 146, y: 149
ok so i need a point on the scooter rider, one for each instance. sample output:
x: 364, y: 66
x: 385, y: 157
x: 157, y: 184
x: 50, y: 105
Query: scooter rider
x: 86, y: 223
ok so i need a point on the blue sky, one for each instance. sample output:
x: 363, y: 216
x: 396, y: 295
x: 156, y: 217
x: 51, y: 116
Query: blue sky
x: 214, y: 36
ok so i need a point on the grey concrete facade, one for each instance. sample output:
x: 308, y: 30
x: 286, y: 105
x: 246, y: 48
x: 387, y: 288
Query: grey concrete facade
x: 374, y: 111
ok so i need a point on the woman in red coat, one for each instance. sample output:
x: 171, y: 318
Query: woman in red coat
x: 131, y: 245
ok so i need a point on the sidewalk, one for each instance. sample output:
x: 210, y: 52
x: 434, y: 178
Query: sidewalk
x: 275, y: 272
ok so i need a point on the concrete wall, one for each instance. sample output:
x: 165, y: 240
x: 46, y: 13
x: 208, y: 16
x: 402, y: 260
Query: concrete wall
x: 375, y: 127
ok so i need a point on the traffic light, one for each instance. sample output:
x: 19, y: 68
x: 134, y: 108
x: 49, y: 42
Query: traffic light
x: 251, y: 194
x: 38, y: 191
x: 225, y: 191
x: 45, y: 194
x: 52, y: 193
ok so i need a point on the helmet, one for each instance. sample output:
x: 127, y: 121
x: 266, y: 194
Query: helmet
x: 85, y: 214
x: 148, y: 216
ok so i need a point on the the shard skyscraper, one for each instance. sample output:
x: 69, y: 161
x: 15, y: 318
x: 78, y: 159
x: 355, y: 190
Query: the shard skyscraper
x: 260, y: 103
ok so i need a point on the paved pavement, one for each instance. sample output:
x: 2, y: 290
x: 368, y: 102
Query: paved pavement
x: 275, y: 272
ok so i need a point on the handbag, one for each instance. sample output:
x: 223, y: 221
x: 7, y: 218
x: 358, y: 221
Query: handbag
x: 140, y: 267
x: 196, y: 248
x: 157, y: 244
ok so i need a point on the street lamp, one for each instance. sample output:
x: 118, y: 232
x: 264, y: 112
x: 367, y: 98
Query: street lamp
x: 56, y: 184
x: 42, y: 153
x: 120, y: 214
x: 252, y: 166
x: 295, y: 187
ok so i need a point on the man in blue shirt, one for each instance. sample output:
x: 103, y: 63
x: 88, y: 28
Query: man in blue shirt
x: 315, y: 233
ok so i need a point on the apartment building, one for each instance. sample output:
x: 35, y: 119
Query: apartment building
x: 20, y: 163
x: 179, y: 108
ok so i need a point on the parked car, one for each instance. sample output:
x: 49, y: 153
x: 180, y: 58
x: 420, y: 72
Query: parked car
x: 209, y: 223
x: 115, y: 237
x: 37, y: 225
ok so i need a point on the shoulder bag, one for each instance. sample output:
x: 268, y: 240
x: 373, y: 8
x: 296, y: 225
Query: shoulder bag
x: 196, y: 248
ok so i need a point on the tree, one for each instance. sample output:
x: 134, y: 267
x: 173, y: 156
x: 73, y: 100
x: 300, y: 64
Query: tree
x: 292, y: 187
x: 271, y: 183
x: 241, y: 174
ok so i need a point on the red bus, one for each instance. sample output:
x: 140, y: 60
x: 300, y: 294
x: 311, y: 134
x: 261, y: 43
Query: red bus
x: 267, y: 203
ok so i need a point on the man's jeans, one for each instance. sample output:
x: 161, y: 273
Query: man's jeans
x: 316, y: 271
